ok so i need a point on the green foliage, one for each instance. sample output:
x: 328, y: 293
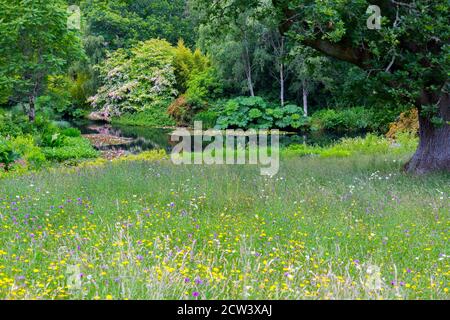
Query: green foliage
x: 65, y: 96
x: 14, y: 124
x: 123, y: 23
x: 203, y: 86
x: 29, y: 151
x: 352, y: 119
x: 34, y: 43
x: 72, y: 149
x: 208, y: 118
x: 369, y: 145
x: 71, y: 132
x: 53, y: 140
x: 41, y: 141
x: 406, y: 142
x: 58, y: 91
x: 197, y: 79
x: 8, y: 125
x: 7, y: 154
x: 238, y: 48
x: 147, y: 118
x: 181, y: 110
x: 149, y: 77
x: 20, y: 148
x: 255, y: 112
x: 188, y: 64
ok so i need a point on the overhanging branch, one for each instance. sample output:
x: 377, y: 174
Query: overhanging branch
x: 339, y: 51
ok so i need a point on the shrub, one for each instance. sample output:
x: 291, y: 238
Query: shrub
x: 74, y: 148
x: 71, y: 132
x: 203, y: 86
x: 150, y: 76
x: 66, y: 95
x: 197, y: 79
x: 187, y: 63
x: 35, y: 158
x: 354, y: 119
x: 8, y: 125
x: 52, y: 139
x: 408, y: 122
x: 14, y: 124
x: 208, y: 118
x: 345, y: 120
x: 7, y: 154
x: 29, y: 151
x: 255, y: 112
x: 147, y: 118
x: 57, y: 97
x: 181, y: 110
x: 383, y: 117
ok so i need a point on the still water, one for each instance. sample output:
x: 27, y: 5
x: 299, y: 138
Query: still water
x: 139, y: 139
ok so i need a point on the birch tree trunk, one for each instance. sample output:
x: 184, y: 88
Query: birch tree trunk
x: 305, y: 99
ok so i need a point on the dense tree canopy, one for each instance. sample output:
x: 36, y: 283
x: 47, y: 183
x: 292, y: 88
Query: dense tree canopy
x: 35, y: 43
x: 122, y: 23
x: 407, y: 60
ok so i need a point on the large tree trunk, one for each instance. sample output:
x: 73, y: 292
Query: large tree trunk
x: 433, y: 153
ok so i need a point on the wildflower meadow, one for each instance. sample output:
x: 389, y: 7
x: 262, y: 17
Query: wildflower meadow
x: 324, y: 228
x: 230, y: 157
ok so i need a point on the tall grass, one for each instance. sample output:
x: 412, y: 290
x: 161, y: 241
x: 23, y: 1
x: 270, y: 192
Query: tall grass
x: 325, y: 228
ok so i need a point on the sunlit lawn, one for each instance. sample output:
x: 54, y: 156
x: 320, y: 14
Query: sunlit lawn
x: 323, y: 228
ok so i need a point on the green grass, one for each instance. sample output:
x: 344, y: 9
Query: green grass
x: 320, y: 229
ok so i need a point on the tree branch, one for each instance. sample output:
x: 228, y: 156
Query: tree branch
x: 339, y: 50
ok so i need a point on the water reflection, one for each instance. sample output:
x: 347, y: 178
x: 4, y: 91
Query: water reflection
x: 131, y: 139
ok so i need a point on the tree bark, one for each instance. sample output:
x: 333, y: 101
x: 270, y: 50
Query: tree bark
x: 31, y: 109
x: 282, y: 84
x: 250, y: 84
x: 282, y: 71
x: 305, y: 100
x: 248, y: 71
x: 433, y: 153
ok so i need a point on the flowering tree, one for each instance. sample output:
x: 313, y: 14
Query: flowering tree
x: 137, y: 80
